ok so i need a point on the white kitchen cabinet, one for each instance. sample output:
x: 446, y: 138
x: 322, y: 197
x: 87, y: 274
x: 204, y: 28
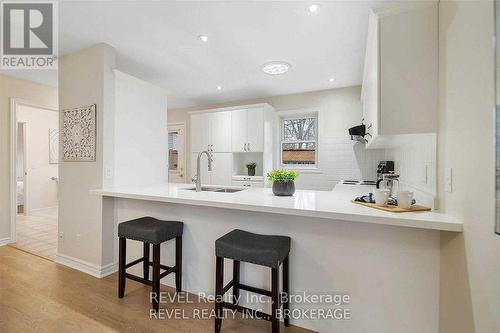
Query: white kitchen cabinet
x: 248, y: 181
x: 222, y: 169
x: 247, y: 130
x: 244, y: 132
x: 242, y: 183
x: 199, y: 132
x: 211, y: 132
x: 220, y: 129
x: 239, y: 124
x: 255, y: 130
x: 222, y: 166
x: 401, y: 70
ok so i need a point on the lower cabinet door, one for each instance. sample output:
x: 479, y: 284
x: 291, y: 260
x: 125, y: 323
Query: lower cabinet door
x: 222, y: 169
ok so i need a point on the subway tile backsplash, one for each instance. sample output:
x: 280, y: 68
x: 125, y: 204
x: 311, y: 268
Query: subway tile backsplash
x: 340, y: 158
x: 415, y: 161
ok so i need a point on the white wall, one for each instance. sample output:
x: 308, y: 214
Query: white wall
x: 339, y: 157
x: 131, y: 142
x: 470, y: 262
x: 85, y: 78
x: 41, y: 189
x: 141, y: 149
x: 28, y: 91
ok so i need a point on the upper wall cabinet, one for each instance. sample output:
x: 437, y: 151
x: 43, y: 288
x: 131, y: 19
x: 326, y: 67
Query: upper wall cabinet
x: 401, y: 71
x: 210, y: 131
x: 247, y: 130
x: 244, y: 131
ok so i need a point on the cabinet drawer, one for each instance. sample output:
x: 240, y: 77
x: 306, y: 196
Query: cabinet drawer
x: 241, y: 183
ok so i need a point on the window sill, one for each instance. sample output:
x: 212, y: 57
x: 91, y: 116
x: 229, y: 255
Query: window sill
x: 302, y: 170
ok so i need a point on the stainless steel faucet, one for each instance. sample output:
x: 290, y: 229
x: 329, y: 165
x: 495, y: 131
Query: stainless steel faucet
x: 198, y: 171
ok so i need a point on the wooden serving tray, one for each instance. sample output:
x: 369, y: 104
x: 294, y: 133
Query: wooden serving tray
x: 394, y: 209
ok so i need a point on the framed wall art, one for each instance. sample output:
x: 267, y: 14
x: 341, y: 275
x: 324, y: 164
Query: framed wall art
x: 79, y: 134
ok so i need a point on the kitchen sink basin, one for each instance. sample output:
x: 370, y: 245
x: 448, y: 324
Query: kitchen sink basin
x: 229, y: 190
x: 216, y: 189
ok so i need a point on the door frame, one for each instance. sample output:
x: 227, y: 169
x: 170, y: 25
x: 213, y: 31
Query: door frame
x: 25, y: 167
x: 182, y: 127
x: 14, y: 104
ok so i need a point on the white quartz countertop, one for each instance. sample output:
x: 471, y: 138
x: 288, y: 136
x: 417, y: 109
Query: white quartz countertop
x: 333, y: 205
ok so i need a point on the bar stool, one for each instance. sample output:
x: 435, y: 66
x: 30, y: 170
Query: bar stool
x: 150, y: 231
x: 269, y: 251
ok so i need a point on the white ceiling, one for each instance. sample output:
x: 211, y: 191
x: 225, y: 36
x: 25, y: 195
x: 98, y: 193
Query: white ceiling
x: 158, y: 42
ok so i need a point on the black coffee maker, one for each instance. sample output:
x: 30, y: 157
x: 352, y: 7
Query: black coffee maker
x: 384, y: 167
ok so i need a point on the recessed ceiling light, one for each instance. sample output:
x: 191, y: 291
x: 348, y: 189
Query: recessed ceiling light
x: 313, y: 9
x: 203, y: 38
x: 219, y: 88
x: 276, y: 67
x: 332, y: 79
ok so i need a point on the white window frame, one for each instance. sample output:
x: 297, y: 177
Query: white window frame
x: 297, y: 114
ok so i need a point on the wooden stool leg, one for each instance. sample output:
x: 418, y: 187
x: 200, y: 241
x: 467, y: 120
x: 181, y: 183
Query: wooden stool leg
x: 219, y: 286
x: 121, y: 266
x: 276, y: 301
x: 156, y: 276
x: 145, y: 264
x: 236, y: 279
x: 178, y: 264
x: 286, y: 291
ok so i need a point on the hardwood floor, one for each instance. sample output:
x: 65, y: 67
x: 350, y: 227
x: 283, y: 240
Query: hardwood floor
x: 37, y: 233
x: 38, y: 295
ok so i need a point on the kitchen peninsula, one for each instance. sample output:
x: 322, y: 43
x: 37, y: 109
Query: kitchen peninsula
x: 382, y: 260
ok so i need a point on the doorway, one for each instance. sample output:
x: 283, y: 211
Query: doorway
x: 34, y: 151
x: 21, y: 181
x: 176, y: 153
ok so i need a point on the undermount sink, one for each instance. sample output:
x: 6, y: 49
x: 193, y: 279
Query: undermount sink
x: 216, y: 189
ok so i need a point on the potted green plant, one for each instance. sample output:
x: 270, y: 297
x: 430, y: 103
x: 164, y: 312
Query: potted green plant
x: 283, y: 182
x: 251, y: 168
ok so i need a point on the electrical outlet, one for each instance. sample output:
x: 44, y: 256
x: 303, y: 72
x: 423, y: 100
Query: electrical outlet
x: 61, y: 236
x: 448, y: 180
x: 108, y: 174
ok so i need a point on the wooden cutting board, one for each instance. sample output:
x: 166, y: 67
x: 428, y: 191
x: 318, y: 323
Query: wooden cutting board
x: 394, y: 209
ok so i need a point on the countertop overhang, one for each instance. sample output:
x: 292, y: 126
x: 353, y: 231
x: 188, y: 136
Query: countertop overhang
x: 331, y: 205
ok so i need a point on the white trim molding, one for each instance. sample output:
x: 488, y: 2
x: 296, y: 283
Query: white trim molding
x: 14, y: 103
x: 4, y: 241
x: 87, y: 267
x: 291, y: 114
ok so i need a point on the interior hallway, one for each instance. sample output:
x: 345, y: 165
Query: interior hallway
x: 37, y: 233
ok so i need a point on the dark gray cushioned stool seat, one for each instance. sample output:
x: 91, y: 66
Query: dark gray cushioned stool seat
x: 253, y: 248
x: 150, y: 230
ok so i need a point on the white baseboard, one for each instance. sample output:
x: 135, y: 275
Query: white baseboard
x: 4, y: 241
x: 87, y: 267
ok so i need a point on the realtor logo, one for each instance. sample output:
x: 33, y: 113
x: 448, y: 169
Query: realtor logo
x: 29, y: 35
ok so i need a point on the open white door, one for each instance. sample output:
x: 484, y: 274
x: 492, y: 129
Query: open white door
x: 177, y: 153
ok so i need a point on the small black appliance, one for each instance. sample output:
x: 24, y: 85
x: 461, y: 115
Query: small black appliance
x: 357, y: 133
x: 384, y: 167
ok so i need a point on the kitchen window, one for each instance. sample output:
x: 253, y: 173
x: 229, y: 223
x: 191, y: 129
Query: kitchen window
x: 299, y: 142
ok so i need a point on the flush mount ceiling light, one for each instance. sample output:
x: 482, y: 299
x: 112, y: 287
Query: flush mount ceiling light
x: 276, y: 67
x: 332, y: 79
x: 313, y: 9
x: 203, y: 38
x: 219, y: 88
